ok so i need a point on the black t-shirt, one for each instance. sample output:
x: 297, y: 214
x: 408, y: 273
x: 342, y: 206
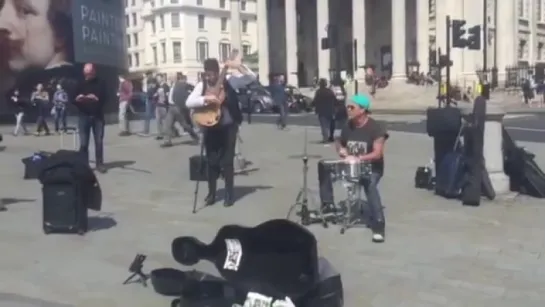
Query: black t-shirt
x: 359, y: 141
x: 88, y: 107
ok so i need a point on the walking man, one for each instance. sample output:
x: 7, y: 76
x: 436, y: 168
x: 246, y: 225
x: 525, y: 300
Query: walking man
x: 125, y: 94
x: 90, y: 100
x: 280, y: 98
x: 176, y: 101
x: 60, y: 99
x: 324, y: 106
x: 151, y: 90
x: 20, y: 106
x: 161, y: 106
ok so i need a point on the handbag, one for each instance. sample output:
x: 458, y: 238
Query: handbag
x: 53, y: 111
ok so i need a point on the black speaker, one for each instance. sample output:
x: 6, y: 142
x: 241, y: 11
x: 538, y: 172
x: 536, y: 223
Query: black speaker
x: 198, y: 168
x: 440, y: 121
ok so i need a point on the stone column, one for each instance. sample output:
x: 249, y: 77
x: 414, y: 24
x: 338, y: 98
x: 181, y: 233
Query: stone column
x: 422, y: 34
x: 358, y: 34
x: 236, y: 40
x: 263, y: 42
x: 506, y: 30
x: 291, y: 42
x: 493, y: 144
x: 322, y: 17
x: 399, y: 69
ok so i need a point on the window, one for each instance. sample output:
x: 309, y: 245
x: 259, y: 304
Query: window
x: 246, y: 49
x: 175, y: 20
x: 155, y: 60
x: 202, y: 50
x: 135, y: 39
x: 199, y: 2
x: 244, y: 28
x: 163, y: 52
x: 133, y: 2
x: 242, y: 5
x: 153, y: 27
x: 522, y: 8
x: 177, y: 52
x: 540, y: 51
x: 222, y: 4
x: 134, y: 21
x: 201, y: 22
x: 126, y: 3
x: 162, y: 21
x: 224, y: 51
x: 127, y: 21
x: 521, y: 51
x: 539, y: 10
x: 129, y: 60
x: 224, y: 24
x: 174, y: 1
x: 128, y: 41
x: 137, y: 59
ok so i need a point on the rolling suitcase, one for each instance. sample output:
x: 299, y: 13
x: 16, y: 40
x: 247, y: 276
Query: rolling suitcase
x: 64, y: 209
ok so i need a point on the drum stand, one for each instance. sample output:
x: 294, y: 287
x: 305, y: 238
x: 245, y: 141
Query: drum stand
x: 302, y: 199
x: 353, y: 198
x: 241, y: 162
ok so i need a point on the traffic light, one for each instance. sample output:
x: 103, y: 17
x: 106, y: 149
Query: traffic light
x: 474, y: 38
x: 458, y: 32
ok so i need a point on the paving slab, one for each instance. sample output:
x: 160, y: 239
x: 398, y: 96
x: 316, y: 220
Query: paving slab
x: 437, y: 252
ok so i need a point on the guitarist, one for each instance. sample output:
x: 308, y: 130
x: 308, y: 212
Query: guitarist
x: 220, y: 140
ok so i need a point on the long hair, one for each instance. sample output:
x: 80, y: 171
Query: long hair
x: 211, y: 65
x: 59, y: 16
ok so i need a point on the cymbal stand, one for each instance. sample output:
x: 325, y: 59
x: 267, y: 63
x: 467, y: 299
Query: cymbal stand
x: 302, y: 198
x: 241, y: 162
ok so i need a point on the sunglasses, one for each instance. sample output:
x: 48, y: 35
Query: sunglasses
x: 350, y: 107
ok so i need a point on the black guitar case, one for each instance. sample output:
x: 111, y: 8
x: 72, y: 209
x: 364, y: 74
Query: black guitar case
x: 471, y: 193
x: 277, y: 258
x: 525, y: 176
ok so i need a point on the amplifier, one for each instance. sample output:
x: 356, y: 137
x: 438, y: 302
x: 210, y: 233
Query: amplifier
x: 198, y: 168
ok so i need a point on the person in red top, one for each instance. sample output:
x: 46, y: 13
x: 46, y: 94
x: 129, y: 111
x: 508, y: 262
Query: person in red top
x: 125, y: 94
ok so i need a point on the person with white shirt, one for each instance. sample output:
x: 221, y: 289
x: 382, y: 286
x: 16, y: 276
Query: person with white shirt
x: 220, y: 140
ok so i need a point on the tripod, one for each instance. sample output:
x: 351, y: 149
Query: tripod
x: 302, y: 198
x: 202, y: 169
x: 136, y: 269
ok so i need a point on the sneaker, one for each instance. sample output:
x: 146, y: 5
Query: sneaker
x: 124, y: 133
x: 159, y: 138
x: 378, y: 237
x: 166, y: 145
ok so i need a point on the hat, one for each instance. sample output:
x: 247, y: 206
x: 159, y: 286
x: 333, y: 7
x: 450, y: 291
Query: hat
x: 362, y: 100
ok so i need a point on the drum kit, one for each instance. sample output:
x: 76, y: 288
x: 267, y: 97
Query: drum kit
x: 351, y: 173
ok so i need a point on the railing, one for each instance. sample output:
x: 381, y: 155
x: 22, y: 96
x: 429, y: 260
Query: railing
x: 513, y: 76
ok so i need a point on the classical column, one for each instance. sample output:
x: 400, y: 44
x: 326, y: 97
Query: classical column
x: 422, y: 34
x: 322, y: 18
x: 506, y: 30
x: 263, y: 42
x: 291, y: 42
x: 235, y: 25
x: 399, y: 70
x: 358, y: 34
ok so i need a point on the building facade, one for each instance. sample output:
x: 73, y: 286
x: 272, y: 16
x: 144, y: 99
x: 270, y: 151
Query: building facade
x: 170, y: 36
x: 392, y: 35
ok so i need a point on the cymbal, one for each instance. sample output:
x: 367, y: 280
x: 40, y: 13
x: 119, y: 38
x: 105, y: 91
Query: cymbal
x: 302, y: 156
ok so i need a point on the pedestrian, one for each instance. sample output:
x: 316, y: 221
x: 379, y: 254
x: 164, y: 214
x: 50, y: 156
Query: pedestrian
x: 90, y: 101
x: 280, y: 98
x: 124, y: 94
x: 176, y: 103
x: 324, y: 105
x: 150, y: 91
x: 20, y: 106
x: 40, y: 99
x: 161, y: 106
x: 60, y: 101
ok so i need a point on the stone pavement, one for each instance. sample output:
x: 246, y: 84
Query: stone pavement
x: 437, y: 253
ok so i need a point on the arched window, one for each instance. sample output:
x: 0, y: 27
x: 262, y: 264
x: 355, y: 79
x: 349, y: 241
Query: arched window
x: 246, y: 48
x: 202, y: 49
x: 224, y: 50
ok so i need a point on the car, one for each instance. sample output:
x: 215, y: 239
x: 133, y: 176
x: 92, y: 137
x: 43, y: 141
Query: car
x: 260, y: 100
x: 297, y: 102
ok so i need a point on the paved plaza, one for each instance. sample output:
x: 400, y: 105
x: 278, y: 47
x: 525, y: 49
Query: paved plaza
x: 437, y: 252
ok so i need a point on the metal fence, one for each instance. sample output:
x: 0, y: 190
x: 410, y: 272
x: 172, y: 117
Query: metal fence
x: 513, y: 76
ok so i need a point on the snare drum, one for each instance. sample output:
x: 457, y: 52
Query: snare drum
x: 347, y: 171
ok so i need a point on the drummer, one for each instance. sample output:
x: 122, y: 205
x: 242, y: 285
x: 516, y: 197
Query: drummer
x: 363, y: 140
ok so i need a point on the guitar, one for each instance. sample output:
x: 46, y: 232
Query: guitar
x: 209, y: 115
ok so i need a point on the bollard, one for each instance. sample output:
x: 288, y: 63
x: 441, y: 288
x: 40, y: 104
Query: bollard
x: 493, y: 148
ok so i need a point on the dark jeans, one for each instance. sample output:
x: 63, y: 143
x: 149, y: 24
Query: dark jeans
x: 327, y: 126
x: 219, y: 145
x: 370, y: 187
x: 60, y: 117
x: 86, y: 126
x: 282, y: 115
x: 41, y: 123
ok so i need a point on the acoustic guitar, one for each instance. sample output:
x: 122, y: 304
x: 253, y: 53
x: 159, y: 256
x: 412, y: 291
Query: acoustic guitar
x: 209, y: 115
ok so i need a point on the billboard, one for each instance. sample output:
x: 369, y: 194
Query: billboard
x: 47, y: 41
